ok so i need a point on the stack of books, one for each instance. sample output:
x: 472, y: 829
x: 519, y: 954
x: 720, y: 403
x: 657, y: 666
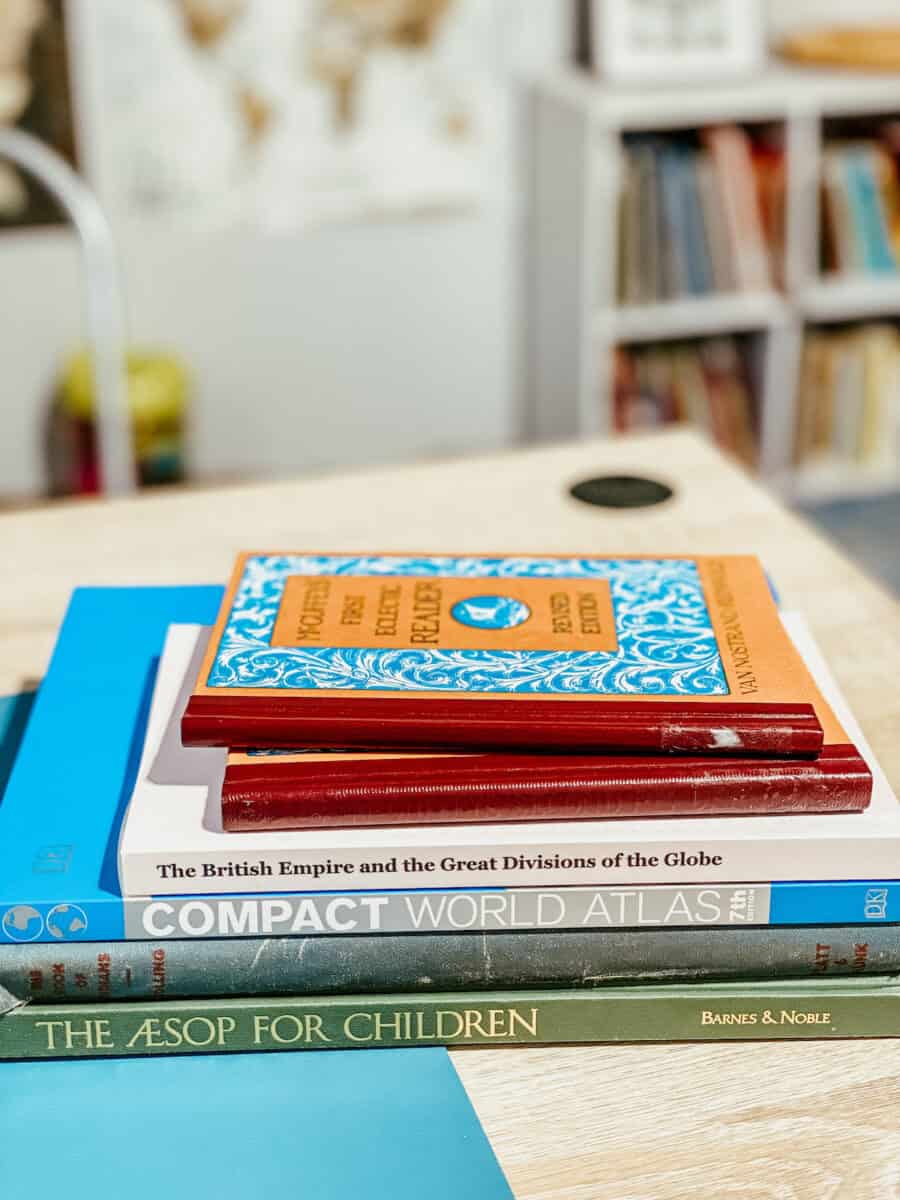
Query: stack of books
x: 395, y: 801
x: 700, y: 215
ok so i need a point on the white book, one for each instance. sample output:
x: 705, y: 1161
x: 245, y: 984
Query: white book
x: 720, y: 250
x: 172, y: 839
x: 731, y: 154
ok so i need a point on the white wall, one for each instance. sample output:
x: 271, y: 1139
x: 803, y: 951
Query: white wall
x: 786, y: 15
x: 345, y: 346
x: 39, y: 307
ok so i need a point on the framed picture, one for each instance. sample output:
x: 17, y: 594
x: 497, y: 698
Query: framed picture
x: 664, y: 41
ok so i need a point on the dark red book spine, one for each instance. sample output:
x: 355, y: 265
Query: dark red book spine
x: 485, y: 788
x: 572, y: 726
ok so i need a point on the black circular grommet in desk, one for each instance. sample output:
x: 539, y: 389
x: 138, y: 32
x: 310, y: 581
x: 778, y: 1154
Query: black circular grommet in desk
x: 621, y: 491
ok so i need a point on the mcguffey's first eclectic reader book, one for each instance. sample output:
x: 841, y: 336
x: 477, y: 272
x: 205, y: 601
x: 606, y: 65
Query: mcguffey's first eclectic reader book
x: 650, y: 654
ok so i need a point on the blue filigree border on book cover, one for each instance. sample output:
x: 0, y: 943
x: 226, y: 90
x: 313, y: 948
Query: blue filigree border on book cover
x: 666, y: 641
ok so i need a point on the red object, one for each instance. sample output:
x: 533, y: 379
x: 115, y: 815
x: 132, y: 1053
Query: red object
x: 582, y: 726
x: 290, y: 792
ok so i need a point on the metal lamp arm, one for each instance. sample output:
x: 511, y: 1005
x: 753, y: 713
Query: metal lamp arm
x: 103, y: 300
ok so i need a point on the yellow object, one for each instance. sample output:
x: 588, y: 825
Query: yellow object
x: 157, y: 389
x: 864, y: 47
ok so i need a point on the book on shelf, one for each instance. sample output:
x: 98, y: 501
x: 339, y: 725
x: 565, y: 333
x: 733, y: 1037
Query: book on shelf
x: 700, y: 275
x: 732, y: 156
x: 782, y: 1010
x: 61, y: 817
x: 869, y: 212
x: 686, y: 269
x: 630, y: 281
x: 889, y: 178
x: 654, y: 278
x: 727, y: 393
x: 770, y: 173
x: 842, y: 249
x: 712, y: 214
x: 860, y: 208
x: 172, y: 839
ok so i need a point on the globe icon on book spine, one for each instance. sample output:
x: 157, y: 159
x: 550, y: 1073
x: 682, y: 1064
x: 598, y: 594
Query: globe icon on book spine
x: 65, y: 920
x: 22, y: 923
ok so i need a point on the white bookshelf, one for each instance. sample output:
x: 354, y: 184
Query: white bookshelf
x: 820, y: 483
x: 694, y: 316
x: 850, y: 299
x: 576, y: 320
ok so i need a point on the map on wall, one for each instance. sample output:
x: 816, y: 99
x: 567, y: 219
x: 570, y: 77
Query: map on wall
x: 34, y: 96
x: 284, y: 113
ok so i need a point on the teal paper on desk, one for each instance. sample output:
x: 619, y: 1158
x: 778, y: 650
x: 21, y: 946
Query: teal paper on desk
x: 324, y: 1125
x: 335, y: 1125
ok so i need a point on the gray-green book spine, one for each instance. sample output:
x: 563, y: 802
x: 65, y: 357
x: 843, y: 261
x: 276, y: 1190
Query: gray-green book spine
x: 91, y: 971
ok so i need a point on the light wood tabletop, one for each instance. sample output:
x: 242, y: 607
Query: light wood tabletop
x: 746, y: 1122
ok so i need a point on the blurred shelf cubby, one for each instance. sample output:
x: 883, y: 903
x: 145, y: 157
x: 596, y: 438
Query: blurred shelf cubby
x: 592, y: 307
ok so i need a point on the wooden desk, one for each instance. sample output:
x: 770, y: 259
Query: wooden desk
x: 816, y: 1121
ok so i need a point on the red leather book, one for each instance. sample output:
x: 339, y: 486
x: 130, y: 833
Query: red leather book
x: 275, y: 790
x: 579, y: 655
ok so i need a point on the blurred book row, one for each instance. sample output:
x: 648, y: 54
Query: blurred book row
x: 707, y: 383
x: 848, y: 402
x: 701, y: 214
x: 704, y: 213
x: 847, y: 405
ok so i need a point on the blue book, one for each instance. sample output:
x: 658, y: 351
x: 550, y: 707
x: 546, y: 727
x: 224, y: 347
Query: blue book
x: 699, y: 261
x: 62, y: 810
x: 63, y: 805
x: 676, y: 245
x: 867, y: 209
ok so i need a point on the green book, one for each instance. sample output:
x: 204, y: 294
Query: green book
x: 848, y: 1008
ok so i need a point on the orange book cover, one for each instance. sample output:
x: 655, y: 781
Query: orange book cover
x: 682, y: 654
